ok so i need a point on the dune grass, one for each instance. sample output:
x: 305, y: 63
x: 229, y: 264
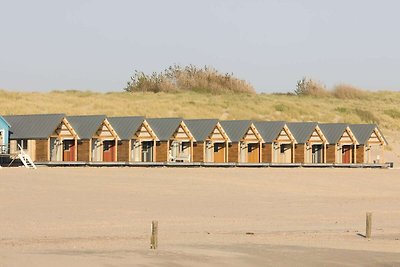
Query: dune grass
x: 377, y: 107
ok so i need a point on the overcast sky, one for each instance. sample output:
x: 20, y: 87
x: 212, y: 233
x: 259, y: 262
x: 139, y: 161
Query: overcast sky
x: 96, y: 45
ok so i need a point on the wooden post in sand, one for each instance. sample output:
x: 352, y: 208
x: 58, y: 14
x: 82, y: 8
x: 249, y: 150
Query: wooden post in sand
x: 368, y: 225
x: 154, y: 235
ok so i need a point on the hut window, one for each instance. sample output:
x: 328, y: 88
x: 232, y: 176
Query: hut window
x: 23, y: 143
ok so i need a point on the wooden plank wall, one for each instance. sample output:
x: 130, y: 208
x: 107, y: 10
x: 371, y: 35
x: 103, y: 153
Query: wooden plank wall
x: 123, y: 150
x: 233, y: 152
x: 83, y: 150
x: 162, y: 151
x: 299, y: 153
x: 330, y: 154
x: 42, y: 150
x: 267, y: 153
x: 198, y: 152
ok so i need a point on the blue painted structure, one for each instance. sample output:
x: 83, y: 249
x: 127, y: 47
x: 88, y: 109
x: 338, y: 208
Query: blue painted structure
x: 4, y: 135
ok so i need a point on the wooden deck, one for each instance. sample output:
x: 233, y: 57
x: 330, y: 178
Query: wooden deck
x: 209, y: 165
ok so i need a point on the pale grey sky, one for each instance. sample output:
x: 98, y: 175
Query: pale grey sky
x: 96, y: 45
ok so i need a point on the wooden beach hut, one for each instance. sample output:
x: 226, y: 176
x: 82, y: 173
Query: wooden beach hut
x: 279, y: 142
x: 342, y: 143
x: 98, y: 139
x: 311, y: 142
x: 246, y: 141
x: 4, y: 135
x: 211, y: 140
x: 371, y: 143
x: 44, y: 137
x: 175, y: 141
x: 137, y: 140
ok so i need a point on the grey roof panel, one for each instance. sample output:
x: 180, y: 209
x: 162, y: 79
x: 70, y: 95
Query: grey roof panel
x: 302, y: 131
x: 37, y: 126
x: 164, y: 128
x: 269, y: 130
x: 333, y: 131
x: 201, y: 128
x: 363, y: 132
x: 236, y: 129
x: 126, y: 127
x: 86, y: 126
x: 6, y: 122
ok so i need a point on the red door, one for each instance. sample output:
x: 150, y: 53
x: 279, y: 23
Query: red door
x: 69, y: 150
x: 346, y: 152
x: 109, y: 151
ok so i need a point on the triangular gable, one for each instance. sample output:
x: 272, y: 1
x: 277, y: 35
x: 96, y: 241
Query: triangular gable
x: 145, y: 132
x: 182, y: 133
x: 106, y: 131
x: 285, y: 136
x: 317, y: 136
x: 65, y: 130
x: 218, y: 134
x: 376, y: 138
x: 348, y: 137
x: 252, y: 135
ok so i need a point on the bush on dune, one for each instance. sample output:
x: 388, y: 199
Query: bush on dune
x: 188, y: 78
x: 344, y: 91
x: 309, y: 87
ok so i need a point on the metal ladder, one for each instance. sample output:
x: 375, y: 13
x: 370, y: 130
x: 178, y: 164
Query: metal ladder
x: 26, y: 159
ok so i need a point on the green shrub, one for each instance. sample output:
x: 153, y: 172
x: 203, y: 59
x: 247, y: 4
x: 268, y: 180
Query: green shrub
x: 366, y: 116
x: 281, y: 107
x: 394, y: 113
x: 341, y: 109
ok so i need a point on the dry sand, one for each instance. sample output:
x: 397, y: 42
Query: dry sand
x: 102, y: 216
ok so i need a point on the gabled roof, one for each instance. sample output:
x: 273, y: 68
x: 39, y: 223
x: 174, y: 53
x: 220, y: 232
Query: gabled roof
x: 364, y: 131
x: 269, y: 130
x: 236, y: 129
x: 86, y: 126
x: 333, y: 131
x: 164, y: 128
x: 201, y: 128
x: 37, y: 126
x: 127, y: 126
x: 5, y: 121
x: 302, y: 131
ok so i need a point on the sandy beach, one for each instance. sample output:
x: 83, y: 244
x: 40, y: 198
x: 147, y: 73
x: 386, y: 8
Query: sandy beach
x: 206, y: 216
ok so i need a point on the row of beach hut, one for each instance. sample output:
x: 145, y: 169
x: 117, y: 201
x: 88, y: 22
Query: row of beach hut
x: 98, y: 138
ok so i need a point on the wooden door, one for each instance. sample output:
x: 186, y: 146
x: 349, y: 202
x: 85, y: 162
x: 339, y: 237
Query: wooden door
x: 346, y: 154
x: 69, y: 150
x: 219, y: 152
x: 253, y: 153
x: 109, y: 151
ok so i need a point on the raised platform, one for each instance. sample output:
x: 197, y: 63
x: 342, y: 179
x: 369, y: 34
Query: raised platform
x: 209, y: 165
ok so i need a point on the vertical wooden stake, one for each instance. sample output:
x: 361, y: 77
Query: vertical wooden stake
x: 368, y: 225
x: 154, y: 235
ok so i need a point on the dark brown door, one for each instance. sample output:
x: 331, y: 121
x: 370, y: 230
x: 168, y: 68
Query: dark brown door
x: 346, y: 152
x: 69, y: 150
x: 253, y: 153
x: 109, y: 151
x: 219, y: 152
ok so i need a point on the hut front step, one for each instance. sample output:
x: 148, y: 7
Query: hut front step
x: 26, y: 159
